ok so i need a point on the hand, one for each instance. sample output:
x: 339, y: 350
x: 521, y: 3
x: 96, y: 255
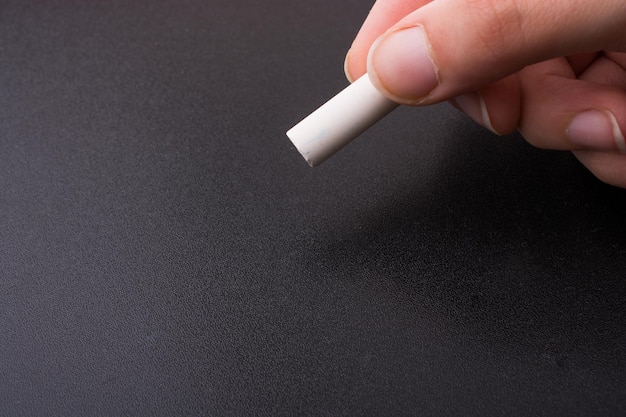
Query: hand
x: 555, y: 70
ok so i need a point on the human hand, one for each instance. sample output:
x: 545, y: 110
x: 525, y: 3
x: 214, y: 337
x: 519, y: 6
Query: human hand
x: 555, y: 70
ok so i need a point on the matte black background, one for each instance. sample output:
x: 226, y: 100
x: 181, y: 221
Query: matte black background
x: 165, y: 250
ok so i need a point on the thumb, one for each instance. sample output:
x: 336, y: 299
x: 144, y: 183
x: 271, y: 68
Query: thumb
x: 449, y: 47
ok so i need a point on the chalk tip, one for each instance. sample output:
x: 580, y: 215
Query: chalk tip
x: 306, y: 155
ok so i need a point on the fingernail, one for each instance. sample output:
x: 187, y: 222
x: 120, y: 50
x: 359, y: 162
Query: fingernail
x: 596, y: 130
x: 345, y: 67
x: 474, y: 106
x: 399, y: 64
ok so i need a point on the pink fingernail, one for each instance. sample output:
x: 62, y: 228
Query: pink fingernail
x: 399, y: 63
x: 596, y: 130
x: 474, y: 106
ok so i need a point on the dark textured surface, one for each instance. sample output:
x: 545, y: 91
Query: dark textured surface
x: 165, y: 251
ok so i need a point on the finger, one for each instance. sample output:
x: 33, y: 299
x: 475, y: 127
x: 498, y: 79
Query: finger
x: 448, y: 47
x: 607, y: 167
x: 384, y: 14
x: 562, y: 112
x: 495, y: 107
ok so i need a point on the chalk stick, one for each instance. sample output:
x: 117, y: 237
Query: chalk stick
x: 339, y: 121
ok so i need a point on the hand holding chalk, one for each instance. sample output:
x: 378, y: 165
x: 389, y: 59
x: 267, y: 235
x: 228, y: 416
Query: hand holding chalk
x: 554, y: 70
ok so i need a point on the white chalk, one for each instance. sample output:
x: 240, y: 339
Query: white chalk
x: 339, y: 121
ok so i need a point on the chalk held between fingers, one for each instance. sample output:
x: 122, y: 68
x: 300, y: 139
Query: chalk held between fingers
x: 340, y: 120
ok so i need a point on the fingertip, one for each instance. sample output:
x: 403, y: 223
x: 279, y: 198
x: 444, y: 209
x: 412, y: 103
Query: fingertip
x: 346, y: 67
x: 473, y: 104
x: 355, y: 64
x: 495, y: 107
x: 401, y: 67
x: 609, y: 168
x: 383, y: 15
x: 502, y: 101
x: 596, y: 130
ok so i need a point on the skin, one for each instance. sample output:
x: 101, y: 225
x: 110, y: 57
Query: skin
x: 535, y: 65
